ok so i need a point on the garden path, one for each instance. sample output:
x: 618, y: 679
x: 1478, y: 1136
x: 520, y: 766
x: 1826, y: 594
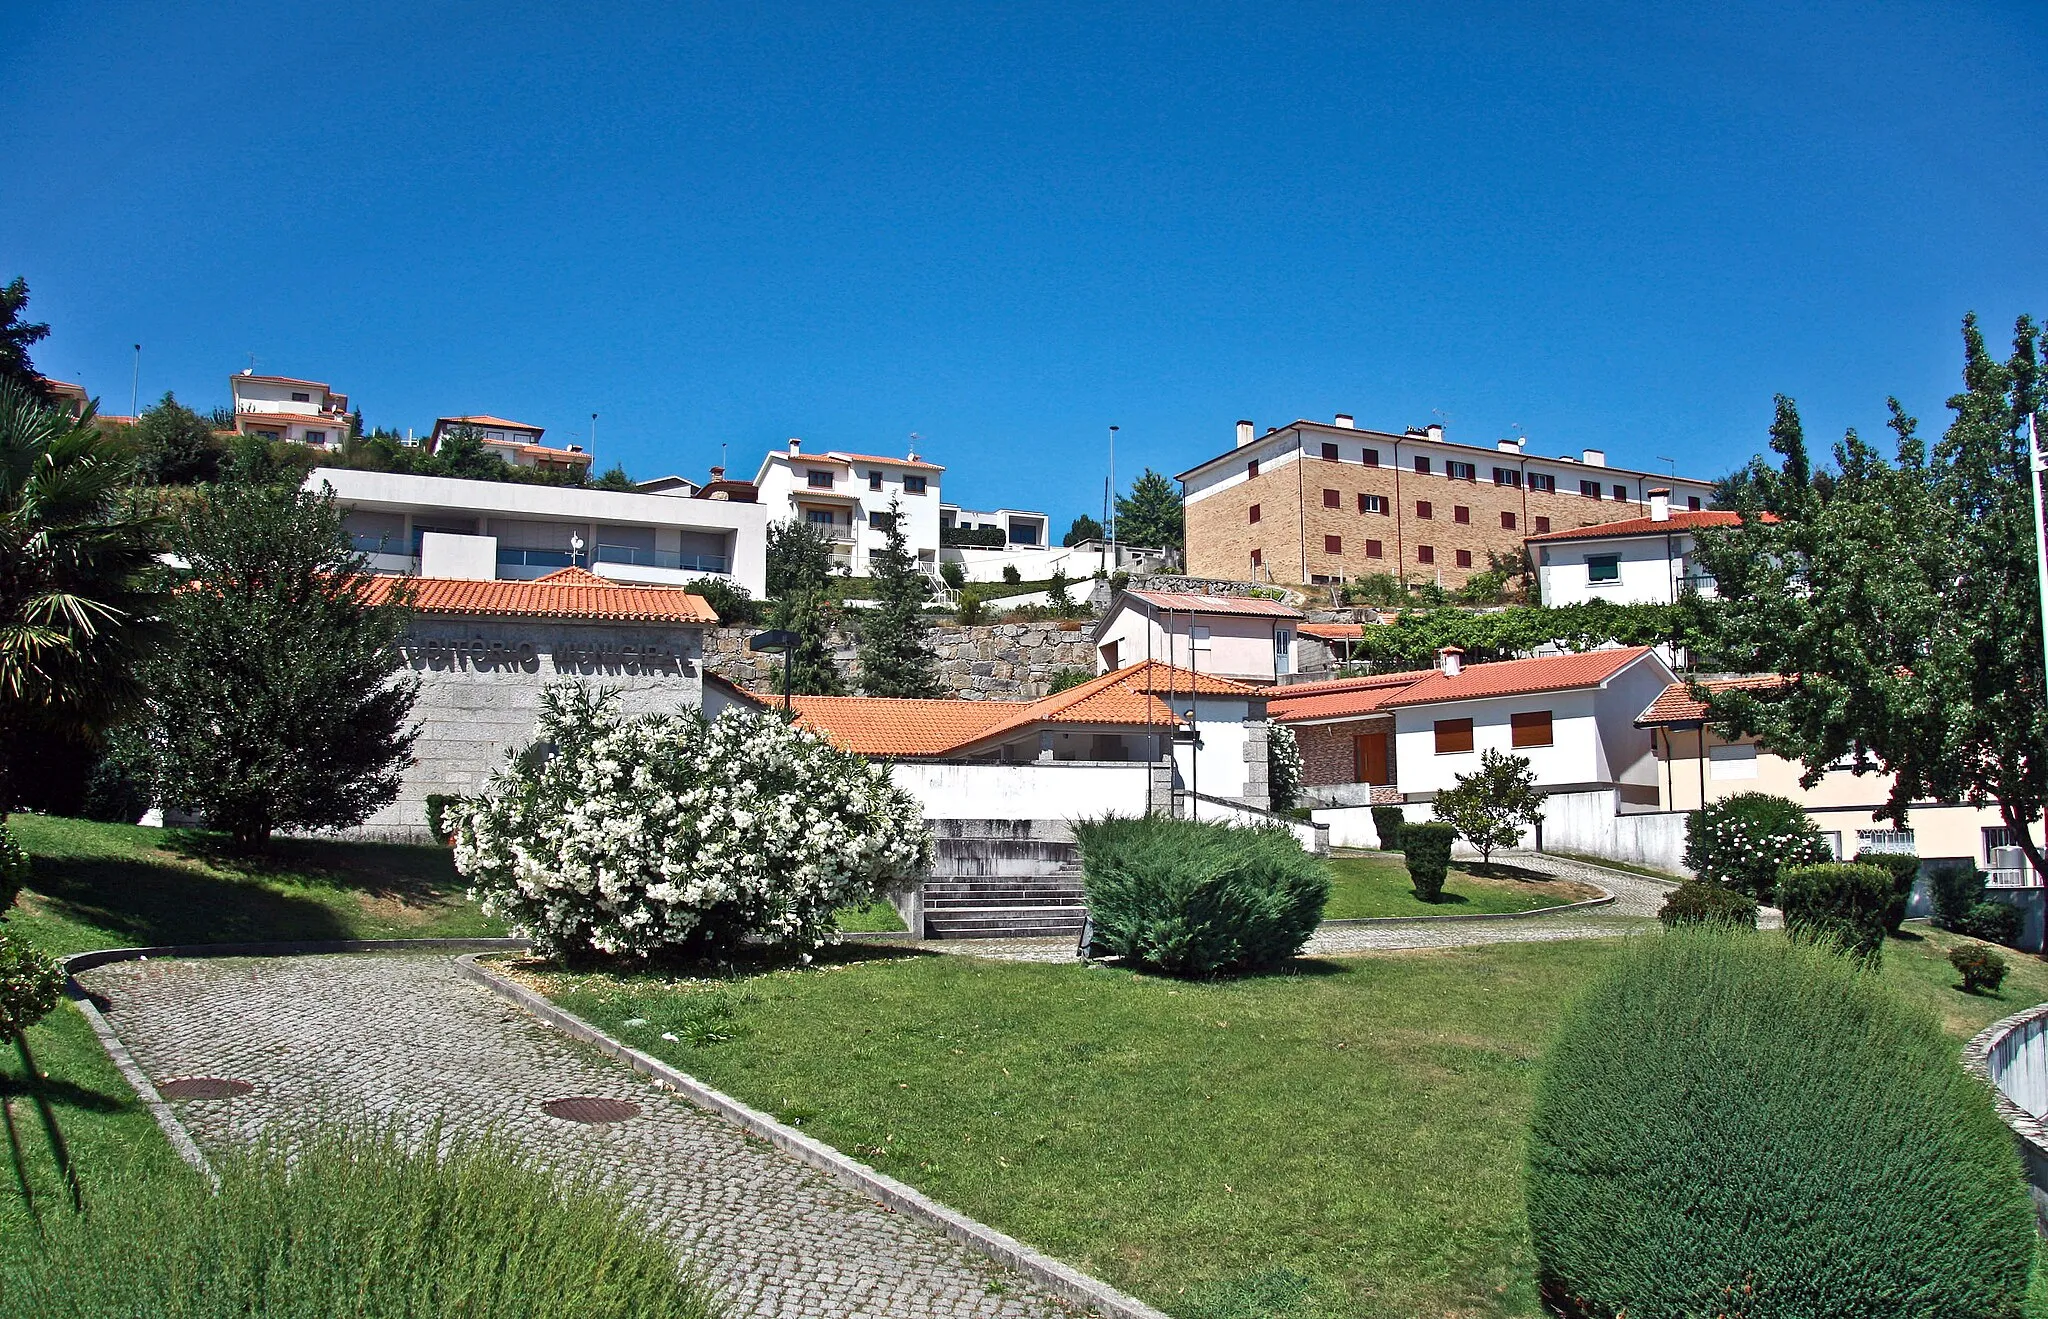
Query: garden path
x: 404, y: 1038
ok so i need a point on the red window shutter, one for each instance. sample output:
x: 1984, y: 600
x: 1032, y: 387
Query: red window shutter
x: 1425, y: 554
x: 1333, y: 544
x: 1464, y: 558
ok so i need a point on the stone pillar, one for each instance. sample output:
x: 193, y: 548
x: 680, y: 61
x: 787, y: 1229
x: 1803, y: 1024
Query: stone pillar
x: 1256, y: 732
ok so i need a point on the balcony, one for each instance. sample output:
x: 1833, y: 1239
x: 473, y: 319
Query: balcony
x: 511, y: 558
x: 639, y: 558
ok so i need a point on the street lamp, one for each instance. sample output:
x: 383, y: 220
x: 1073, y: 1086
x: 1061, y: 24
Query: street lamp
x: 1192, y: 735
x: 778, y: 641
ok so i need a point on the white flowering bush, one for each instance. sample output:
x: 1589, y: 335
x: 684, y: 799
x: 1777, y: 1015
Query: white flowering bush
x: 657, y: 835
x: 1743, y: 841
x: 1283, y: 767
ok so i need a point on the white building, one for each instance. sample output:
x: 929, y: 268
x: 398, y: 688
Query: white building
x: 281, y: 408
x: 1018, y: 528
x: 517, y: 442
x: 1242, y: 638
x: 1643, y: 560
x: 847, y: 498
x: 441, y: 527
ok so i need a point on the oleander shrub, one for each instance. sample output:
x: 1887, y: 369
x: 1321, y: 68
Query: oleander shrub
x: 1904, y: 869
x: 1387, y: 822
x: 1195, y: 899
x: 437, y: 816
x: 1698, y: 903
x: 1743, y: 842
x: 347, y: 1223
x: 667, y: 836
x: 1982, y: 969
x: 14, y: 868
x: 1427, y: 846
x: 1283, y: 768
x: 1738, y: 1126
x: 30, y: 984
x: 1993, y: 922
x: 1953, y: 887
x: 1840, y: 904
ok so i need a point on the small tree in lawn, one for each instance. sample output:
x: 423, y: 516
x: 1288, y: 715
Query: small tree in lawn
x: 1491, y: 807
x: 282, y: 700
x: 895, y: 654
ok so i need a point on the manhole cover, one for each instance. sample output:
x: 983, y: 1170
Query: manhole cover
x: 204, y: 1087
x: 590, y: 1109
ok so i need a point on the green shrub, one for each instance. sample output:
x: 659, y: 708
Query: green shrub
x: 1196, y: 899
x: 1993, y: 922
x: 1839, y: 904
x: 14, y: 868
x: 30, y: 984
x: 352, y: 1224
x: 1427, y: 845
x: 438, y: 823
x: 1283, y: 768
x: 1743, y: 841
x: 112, y: 795
x: 1953, y: 887
x: 1738, y: 1126
x: 729, y: 600
x: 1066, y: 678
x: 952, y: 574
x: 1011, y: 575
x: 1983, y: 970
x: 1904, y: 869
x: 972, y: 609
x: 1698, y: 903
x: 1388, y: 821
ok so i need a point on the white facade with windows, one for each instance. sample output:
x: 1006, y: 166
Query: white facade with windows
x: 281, y: 408
x: 1645, y: 560
x: 1019, y: 528
x: 847, y: 498
x: 1242, y: 638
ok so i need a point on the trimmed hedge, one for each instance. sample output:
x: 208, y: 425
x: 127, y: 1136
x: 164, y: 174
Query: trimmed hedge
x: 1388, y: 821
x: 1697, y: 903
x: 1740, y: 1126
x: 1904, y: 869
x: 1195, y: 899
x: 1982, y: 970
x: 1953, y: 887
x: 1993, y: 922
x: 1743, y: 841
x: 1840, y: 905
x: 1427, y: 845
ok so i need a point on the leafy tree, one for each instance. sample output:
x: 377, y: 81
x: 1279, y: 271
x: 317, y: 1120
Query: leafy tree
x: 175, y: 445
x: 283, y: 701
x: 810, y: 614
x: 895, y: 651
x: 1899, y: 600
x: 1056, y: 591
x: 74, y: 544
x: 254, y: 460
x: 799, y: 558
x: 1413, y: 638
x: 16, y: 337
x: 1150, y: 514
x: 1283, y: 768
x: 461, y: 453
x: 952, y: 574
x: 615, y: 478
x: 1490, y: 807
x: 1084, y: 528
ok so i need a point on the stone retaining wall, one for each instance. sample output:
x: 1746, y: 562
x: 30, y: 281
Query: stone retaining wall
x: 989, y: 662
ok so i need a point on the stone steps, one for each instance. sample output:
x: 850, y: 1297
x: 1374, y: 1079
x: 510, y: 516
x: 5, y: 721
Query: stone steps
x: 1003, y: 879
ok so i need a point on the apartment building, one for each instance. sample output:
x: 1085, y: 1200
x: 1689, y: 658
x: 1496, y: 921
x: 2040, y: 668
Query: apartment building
x: 282, y: 408
x: 1321, y: 502
x: 517, y: 442
x: 847, y: 497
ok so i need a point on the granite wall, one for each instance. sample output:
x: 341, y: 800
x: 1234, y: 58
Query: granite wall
x: 990, y: 662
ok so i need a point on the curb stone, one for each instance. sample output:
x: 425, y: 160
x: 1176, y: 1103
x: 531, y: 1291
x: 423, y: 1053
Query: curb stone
x: 1062, y: 1279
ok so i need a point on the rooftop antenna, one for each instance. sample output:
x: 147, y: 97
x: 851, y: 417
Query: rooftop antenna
x: 1670, y: 464
x: 135, y: 383
x: 914, y: 438
x: 1116, y: 556
x: 252, y: 364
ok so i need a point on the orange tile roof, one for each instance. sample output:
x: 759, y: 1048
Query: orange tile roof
x: 1187, y: 602
x: 483, y: 419
x: 1339, y: 698
x: 1358, y: 683
x: 1645, y: 526
x: 1677, y: 705
x: 566, y: 593
x: 1333, y: 631
x: 887, y: 726
x: 1521, y: 677
x: 877, y: 458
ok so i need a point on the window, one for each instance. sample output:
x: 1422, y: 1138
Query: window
x: 1254, y: 513
x: 874, y: 480
x: 1371, y: 457
x: 1461, y: 515
x: 882, y: 521
x: 316, y: 437
x: 1258, y: 557
x: 1329, y: 453
x: 1542, y: 526
x: 1372, y: 550
x: 1590, y: 489
x: 1621, y: 494
x: 818, y: 517
x: 1199, y: 634
x: 1333, y: 544
x: 1251, y: 469
x: 1464, y: 558
x: 1331, y: 499
x: 1425, y: 554
x: 1737, y: 761
x: 1692, y: 503
x: 1531, y: 728
x: 819, y: 480
x: 1024, y: 533
x: 913, y: 485
x: 1543, y: 481
x: 1458, y: 471
x: 1506, y: 476
x: 1372, y: 503
x: 1603, y: 567
x: 302, y: 398
x: 1996, y: 838
x: 1424, y: 510
x: 1422, y: 466
x: 1507, y: 522
x: 1453, y: 736
x: 1894, y: 841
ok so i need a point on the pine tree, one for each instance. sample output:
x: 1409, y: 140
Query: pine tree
x: 809, y: 614
x: 895, y: 651
x: 1085, y: 528
x: 1150, y: 515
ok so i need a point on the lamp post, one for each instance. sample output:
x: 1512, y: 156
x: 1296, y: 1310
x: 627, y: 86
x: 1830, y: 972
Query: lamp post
x: 1109, y: 530
x: 1193, y: 737
x: 2037, y: 463
x: 778, y: 641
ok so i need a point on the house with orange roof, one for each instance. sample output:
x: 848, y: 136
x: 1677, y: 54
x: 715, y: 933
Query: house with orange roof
x: 1645, y: 559
x: 287, y: 408
x: 1244, y: 638
x: 517, y: 442
x: 70, y: 399
x: 847, y: 498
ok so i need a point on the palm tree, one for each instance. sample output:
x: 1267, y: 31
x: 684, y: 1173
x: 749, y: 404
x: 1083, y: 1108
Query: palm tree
x: 75, y: 540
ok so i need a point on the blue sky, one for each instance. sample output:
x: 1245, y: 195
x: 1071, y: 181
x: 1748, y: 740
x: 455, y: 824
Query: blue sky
x: 1006, y: 227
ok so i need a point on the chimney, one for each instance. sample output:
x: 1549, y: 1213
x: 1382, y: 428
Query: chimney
x: 718, y: 473
x: 1434, y: 430
x: 575, y: 448
x: 796, y: 446
x: 1244, y: 433
x: 1344, y: 420
x: 1453, y: 661
x: 1660, y: 505
x: 1508, y: 446
x: 1594, y: 457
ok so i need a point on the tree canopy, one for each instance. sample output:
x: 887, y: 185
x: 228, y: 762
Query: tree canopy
x: 1150, y: 515
x: 1085, y: 528
x: 175, y: 445
x: 895, y: 650
x: 17, y: 336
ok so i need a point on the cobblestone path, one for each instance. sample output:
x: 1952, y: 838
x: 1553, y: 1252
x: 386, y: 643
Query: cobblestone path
x: 403, y: 1037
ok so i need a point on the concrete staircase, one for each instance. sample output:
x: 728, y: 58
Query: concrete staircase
x: 1003, y: 879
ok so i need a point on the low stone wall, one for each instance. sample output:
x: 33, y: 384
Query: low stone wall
x: 2012, y: 1055
x: 988, y: 662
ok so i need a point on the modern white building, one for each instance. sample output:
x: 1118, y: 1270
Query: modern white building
x: 1245, y: 639
x: 282, y: 408
x: 1018, y: 528
x: 517, y: 442
x: 847, y: 497
x: 1641, y: 560
x: 440, y: 527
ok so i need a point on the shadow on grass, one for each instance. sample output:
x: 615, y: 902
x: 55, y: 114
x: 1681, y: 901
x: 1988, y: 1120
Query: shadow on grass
x: 1502, y: 870
x: 1444, y: 899
x: 742, y: 966
x: 407, y: 872
x: 156, y: 902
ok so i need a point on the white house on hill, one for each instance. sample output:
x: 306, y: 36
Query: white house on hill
x: 282, y: 408
x: 846, y: 497
x: 1642, y: 560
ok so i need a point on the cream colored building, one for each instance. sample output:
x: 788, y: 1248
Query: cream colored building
x: 1243, y: 638
x: 517, y: 442
x: 283, y: 408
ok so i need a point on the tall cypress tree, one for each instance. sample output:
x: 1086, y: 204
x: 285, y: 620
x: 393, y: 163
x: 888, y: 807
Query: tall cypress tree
x: 809, y: 614
x: 895, y: 648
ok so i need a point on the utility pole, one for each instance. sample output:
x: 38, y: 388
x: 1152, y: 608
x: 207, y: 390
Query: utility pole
x: 135, y: 383
x: 1109, y: 524
x: 593, y: 432
x: 2037, y: 463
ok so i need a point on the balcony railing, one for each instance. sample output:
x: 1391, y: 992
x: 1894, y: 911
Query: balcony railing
x: 511, y: 558
x: 2024, y: 877
x: 365, y: 544
x: 640, y: 558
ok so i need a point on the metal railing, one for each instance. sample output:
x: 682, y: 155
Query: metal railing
x: 640, y: 558
x: 2024, y: 877
x: 516, y: 558
x: 367, y: 544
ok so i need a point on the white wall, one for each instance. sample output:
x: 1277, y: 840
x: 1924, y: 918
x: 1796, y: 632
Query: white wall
x: 1306, y: 832
x: 1651, y: 570
x: 1223, y: 769
x: 1237, y: 645
x: 252, y: 395
x: 1350, y: 826
x: 1032, y: 790
x: 1574, y: 756
x: 1590, y: 823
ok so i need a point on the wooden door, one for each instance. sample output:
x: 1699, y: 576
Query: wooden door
x: 1370, y: 755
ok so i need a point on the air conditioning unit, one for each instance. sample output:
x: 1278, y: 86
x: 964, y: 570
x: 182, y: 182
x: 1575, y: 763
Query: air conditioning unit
x: 2008, y: 858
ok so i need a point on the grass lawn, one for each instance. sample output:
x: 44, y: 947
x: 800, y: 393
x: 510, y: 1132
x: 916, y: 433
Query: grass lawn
x: 1346, y: 1140
x: 1377, y: 884
x: 876, y: 918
